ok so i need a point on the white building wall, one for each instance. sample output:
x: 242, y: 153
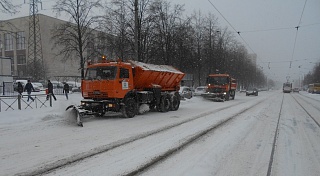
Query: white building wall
x: 54, y: 65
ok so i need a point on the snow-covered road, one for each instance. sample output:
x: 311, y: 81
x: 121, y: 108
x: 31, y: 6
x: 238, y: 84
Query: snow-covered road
x: 201, y: 138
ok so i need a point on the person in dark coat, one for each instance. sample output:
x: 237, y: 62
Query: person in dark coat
x: 50, y: 91
x: 20, y: 88
x: 29, y: 88
x: 66, y: 89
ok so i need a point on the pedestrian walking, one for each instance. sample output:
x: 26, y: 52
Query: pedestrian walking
x: 66, y: 89
x: 20, y: 88
x: 29, y: 88
x: 50, y: 91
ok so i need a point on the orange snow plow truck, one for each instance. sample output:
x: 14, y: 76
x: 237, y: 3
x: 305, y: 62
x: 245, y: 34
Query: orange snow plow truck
x: 220, y: 87
x: 124, y: 86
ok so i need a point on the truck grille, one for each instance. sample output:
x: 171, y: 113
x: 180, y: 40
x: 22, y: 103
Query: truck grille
x: 215, y: 90
x: 100, y: 95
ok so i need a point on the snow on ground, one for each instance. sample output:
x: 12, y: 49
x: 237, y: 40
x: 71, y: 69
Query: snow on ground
x: 33, y: 138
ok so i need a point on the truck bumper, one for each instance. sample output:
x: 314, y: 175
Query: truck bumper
x: 214, y: 96
x: 102, y: 106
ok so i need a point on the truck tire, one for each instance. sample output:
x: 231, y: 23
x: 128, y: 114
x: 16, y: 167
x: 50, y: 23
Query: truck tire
x: 152, y: 107
x: 99, y: 114
x: 129, y: 108
x: 227, y: 96
x: 175, y: 102
x: 165, y: 103
x: 233, y: 94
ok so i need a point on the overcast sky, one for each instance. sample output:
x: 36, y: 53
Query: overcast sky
x: 267, y: 26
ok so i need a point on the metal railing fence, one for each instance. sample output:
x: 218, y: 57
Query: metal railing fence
x: 19, y: 102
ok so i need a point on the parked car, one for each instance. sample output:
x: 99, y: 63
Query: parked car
x: 57, y: 84
x: 252, y: 91
x: 242, y: 90
x: 38, y: 86
x: 199, y: 90
x: 296, y: 89
x: 74, y: 86
x: 185, y: 92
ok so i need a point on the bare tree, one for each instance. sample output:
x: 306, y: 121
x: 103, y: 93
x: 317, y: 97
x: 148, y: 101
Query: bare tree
x: 211, y: 33
x: 8, y: 7
x: 199, y: 61
x: 159, y: 34
x: 117, y: 22
x: 78, y: 35
x: 166, y: 24
x: 130, y: 23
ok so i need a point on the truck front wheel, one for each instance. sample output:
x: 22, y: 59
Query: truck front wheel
x: 129, y: 108
x: 227, y: 96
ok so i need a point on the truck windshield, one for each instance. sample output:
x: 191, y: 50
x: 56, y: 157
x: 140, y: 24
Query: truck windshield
x: 101, y: 73
x: 217, y: 80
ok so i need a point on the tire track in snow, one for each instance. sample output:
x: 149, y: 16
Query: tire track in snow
x: 307, y: 110
x: 187, y: 142
x: 274, y: 141
x: 309, y: 98
x: 105, y: 148
x: 269, y: 173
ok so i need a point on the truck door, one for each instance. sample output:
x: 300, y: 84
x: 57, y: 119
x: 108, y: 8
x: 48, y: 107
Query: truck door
x: 125, y: 81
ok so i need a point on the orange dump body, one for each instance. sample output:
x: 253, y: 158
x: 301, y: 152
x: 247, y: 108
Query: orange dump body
x: 149, y: 76
x: 139, y: 76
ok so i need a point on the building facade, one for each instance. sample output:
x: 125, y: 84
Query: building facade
x: 14, y: 34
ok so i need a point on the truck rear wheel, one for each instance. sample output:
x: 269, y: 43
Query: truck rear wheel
x: 175, y: 102
x: 165, y: 104
x: 129, y: 108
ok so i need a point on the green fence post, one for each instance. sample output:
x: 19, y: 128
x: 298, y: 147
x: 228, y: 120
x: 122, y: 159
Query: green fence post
x: 19, y: 102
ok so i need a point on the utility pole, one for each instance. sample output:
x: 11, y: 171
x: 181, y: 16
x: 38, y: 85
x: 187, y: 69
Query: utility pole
x: 35, y: 66
x: 136, y: 24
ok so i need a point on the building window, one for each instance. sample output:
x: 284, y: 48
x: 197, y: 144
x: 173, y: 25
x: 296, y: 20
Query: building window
x: 8, y: 42
x: 21, y: 44
x: 0, y: 43
x: 21, y: 65
x: 21, y: 59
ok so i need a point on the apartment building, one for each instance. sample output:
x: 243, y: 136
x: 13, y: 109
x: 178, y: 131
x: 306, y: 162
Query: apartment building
x: 14, y: 34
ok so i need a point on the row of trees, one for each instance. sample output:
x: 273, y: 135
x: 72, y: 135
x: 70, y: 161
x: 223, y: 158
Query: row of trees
x: 314, y: 76
x: 154, y: 31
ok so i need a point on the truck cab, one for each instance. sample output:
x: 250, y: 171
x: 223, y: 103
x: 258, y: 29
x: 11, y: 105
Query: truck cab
x: 105, y: 85
x: 107, y: 80
x: 220, y: 87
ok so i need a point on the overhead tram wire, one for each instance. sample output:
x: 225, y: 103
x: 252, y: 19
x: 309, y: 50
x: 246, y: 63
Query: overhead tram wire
x: 231, y: 26
x: 278, y: 29
x: 295, y: 40
x: 296, y: 60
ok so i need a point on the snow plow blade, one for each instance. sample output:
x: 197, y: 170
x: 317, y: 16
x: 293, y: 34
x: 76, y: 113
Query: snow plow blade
x: 79, y: 114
